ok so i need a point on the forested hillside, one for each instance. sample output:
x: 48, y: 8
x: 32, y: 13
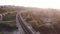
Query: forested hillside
x: 46, y: 21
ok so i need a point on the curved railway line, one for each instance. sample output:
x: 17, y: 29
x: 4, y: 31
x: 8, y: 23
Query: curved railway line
x: 27, y: 29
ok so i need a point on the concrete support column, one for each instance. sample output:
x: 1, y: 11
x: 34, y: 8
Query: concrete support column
x: 1, y: 17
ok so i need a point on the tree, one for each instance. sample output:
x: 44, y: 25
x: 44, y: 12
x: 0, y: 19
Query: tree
x: 2, y: 10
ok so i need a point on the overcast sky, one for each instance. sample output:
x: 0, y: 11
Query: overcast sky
x: 33, y: 3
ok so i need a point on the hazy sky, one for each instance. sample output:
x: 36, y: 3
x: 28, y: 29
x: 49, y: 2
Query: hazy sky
x: 33, y: 3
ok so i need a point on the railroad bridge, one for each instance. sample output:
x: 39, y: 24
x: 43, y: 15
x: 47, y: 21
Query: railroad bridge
x: 23, y: 27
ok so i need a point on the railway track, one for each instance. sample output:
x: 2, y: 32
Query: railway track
x: 27, y: 29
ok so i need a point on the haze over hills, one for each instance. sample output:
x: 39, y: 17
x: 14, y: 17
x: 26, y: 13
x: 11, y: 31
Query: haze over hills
x: 28, y: 8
